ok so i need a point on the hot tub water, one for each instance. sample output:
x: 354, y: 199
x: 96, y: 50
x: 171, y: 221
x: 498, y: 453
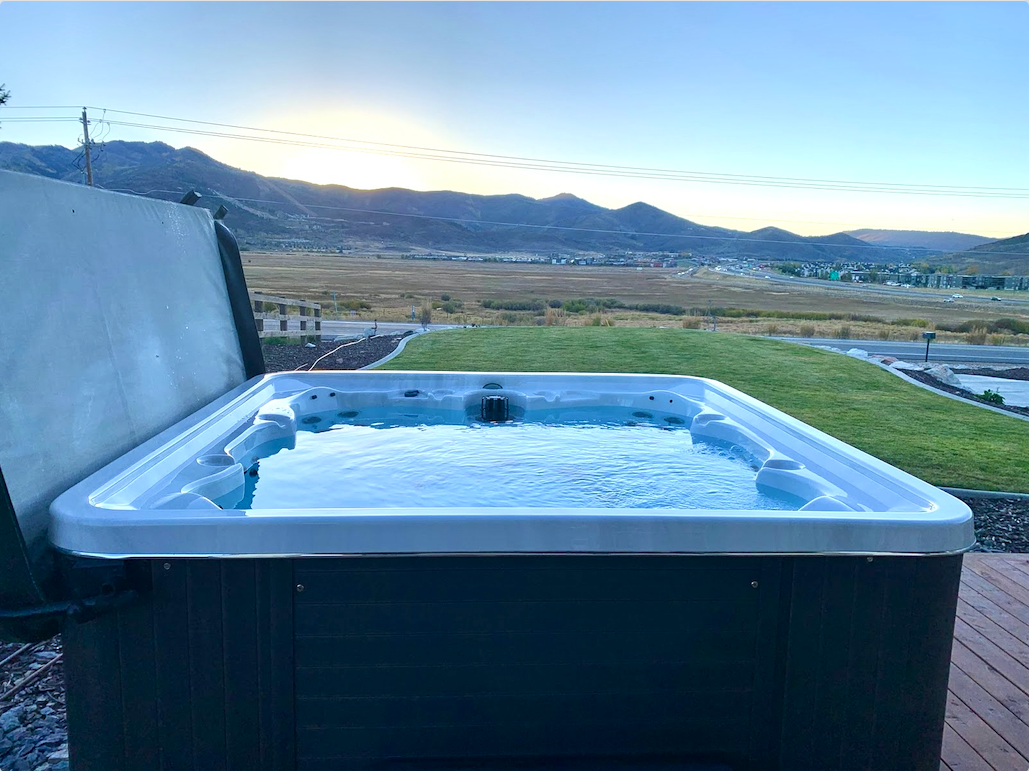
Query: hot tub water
x: 616, y: 459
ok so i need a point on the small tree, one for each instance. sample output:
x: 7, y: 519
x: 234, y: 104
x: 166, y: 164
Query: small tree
x: 426, y: 316
x: 4, y: 93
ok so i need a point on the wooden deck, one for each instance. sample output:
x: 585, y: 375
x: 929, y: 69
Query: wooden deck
x: 988, y: 704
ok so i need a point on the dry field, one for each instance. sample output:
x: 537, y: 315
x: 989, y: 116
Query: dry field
x: 392, y: 286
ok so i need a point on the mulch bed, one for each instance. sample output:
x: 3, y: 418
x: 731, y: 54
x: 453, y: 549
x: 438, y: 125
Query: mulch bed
x: 924, y: 377
x: 345, y: 354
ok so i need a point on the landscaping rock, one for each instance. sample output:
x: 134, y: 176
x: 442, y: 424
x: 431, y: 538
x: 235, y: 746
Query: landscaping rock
x: 944, y: 374
x: 60, y: 754
x: 11, y: 719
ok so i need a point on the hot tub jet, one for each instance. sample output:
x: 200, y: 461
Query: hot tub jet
x: 495, y: 409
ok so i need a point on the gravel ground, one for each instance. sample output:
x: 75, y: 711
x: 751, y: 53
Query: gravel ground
x: 1001, y: 524
x: 33, y: 733
x: 925, y: 377
x: 333, y: 355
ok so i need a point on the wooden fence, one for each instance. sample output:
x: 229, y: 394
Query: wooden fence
x: 276, y: 323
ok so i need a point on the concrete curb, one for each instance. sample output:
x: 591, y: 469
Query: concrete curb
x: 961, y: 492
x: 396, y: 351
x: 900, y: 374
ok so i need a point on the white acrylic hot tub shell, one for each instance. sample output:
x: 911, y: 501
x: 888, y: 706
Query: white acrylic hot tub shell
x: 880, y: 509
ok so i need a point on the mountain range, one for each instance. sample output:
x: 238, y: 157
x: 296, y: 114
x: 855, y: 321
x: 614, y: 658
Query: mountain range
x: 938, y: 241
x: 272, y: 213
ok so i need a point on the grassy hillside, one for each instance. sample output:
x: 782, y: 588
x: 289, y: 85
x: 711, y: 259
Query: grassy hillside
x: 940, y: 440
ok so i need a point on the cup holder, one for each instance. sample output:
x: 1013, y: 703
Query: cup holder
x: 219, y: 460
x: 783, y: 464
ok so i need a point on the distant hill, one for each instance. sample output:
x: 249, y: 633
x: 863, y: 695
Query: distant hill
x: 279, y: 213
x: 936, y: 241
x: 1009, y: 254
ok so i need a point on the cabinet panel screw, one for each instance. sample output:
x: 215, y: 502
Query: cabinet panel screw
x: 167, y: 566
x: 300, y: 587
x: 753, y: 584
x: 869, y: 559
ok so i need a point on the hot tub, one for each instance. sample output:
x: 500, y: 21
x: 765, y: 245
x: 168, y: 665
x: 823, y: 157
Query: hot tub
x: 484, y: 570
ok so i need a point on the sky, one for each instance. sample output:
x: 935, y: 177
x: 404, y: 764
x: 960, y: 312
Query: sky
x: 922, y: 93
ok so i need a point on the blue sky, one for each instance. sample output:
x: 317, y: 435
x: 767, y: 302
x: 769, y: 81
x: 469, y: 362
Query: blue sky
x: 922, y: 93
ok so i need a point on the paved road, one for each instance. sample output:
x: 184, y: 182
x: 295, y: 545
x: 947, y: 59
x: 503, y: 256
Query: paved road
x: 332, y: 328
x: 946, y: 352
x: 1008, y: 299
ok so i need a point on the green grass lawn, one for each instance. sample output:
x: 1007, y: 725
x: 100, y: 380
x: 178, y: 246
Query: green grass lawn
x: 940, y: 440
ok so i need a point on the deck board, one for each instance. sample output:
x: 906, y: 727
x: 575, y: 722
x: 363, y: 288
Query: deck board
x: 987, y: 727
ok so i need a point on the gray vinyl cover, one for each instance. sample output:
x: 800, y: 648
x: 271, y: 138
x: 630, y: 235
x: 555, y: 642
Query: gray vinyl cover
x: 117, y: 325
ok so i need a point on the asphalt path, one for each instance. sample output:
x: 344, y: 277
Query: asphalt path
x: 946, y: 352
x: 332, y: 328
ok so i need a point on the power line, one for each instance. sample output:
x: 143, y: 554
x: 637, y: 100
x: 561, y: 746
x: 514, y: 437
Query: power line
x: 546, y: 227
x: 538, y: 164
x: 568, y: 163
x: 38, y: 120
x: 544, y: 167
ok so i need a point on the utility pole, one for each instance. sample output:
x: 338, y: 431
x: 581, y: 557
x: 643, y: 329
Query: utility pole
x: 85, y: 146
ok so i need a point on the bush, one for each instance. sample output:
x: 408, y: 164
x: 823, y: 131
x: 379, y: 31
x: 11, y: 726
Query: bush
x: 998, y: 326
x: 807, y: 330
x: 997, y: 340
x: 601, y: 321
x: 554, y: 317
x: 884, y: 334
x: 668, y: 310
x: 591, y: 304
x: 920, y: 323
x: 425, y: 317
x: 514, y: 305
x: 691, y: 322
x: 555, y: 303
x: 450, y: 306
x: 772, y: 329
x: 355, y: 305
x: 992, y: 397
x: 843, y: 333
x: 753, y: 313
x: 444, y: 297
x: 977, y: 336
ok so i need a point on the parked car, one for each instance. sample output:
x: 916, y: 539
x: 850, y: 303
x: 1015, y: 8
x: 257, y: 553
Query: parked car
x: 957, y: 296
x: 995, y: 299
x: 949, y: 300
